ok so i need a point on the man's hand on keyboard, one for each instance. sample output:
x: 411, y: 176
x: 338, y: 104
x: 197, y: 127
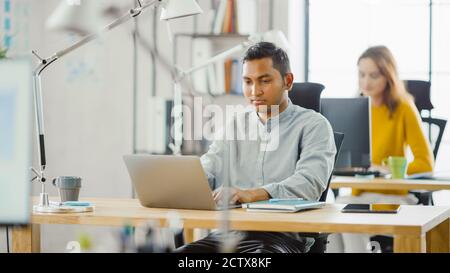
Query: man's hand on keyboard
x: 236, y: 195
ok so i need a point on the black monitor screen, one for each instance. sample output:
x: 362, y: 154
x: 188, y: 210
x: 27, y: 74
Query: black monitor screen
x: 350, y: 116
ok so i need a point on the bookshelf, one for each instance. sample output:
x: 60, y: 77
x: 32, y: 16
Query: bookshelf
x: 191, y: 49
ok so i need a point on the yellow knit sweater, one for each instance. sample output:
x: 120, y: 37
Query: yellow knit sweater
x: 391, y: 136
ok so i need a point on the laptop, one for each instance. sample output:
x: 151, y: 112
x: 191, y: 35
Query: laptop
x: 166, y: 181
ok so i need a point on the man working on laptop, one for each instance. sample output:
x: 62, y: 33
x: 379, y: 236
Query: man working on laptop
x: 260, y: 169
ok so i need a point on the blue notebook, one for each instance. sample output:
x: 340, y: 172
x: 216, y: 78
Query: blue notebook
x: 283, y: 205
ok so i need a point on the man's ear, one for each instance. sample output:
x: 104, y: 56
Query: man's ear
x: 288, y: 81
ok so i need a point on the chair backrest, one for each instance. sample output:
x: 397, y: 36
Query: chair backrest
x: 440, y: 123
x: 420, y: 90
x: 306, y: 95
x: 338, y: 140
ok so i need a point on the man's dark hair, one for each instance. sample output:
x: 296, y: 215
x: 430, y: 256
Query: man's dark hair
x: 262, y: 50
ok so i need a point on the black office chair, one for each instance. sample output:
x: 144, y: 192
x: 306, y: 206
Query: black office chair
x: 321, y: 239
x: 306, y: 95
x: 440, y: 123
x: 425, y: 197
x: 421, y: 91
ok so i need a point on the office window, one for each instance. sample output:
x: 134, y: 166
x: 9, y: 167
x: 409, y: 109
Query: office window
x: 440, y: 73
x: 339, y: 31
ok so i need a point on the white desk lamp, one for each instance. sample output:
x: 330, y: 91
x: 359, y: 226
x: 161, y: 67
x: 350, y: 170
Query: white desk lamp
x: 64, y: 15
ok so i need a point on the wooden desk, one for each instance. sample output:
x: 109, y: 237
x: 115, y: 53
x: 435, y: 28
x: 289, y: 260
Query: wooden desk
x: 388, y: 184
x: 415, y: 228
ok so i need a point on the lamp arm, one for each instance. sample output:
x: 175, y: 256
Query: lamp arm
x: 216, y: 58
x: 124, y: 18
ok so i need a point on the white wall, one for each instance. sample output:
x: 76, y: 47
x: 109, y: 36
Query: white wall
x: 88, y: 113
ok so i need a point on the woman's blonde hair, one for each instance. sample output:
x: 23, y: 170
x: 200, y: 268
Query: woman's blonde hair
x: 395, y: 90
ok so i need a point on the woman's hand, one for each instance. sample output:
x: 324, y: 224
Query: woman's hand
x: 383, y: 169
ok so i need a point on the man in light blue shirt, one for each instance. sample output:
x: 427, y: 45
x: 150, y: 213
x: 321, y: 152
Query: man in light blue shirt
x: 261, y: 159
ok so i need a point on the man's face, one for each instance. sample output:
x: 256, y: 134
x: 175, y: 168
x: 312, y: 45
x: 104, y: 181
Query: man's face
x: 263, y: 85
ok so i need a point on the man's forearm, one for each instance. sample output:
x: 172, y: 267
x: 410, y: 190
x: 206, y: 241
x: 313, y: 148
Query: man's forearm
x: 253, y: 195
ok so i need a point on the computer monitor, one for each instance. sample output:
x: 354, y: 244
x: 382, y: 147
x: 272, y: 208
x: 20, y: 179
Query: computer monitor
x: 15, y: 141
x: 350, y: 116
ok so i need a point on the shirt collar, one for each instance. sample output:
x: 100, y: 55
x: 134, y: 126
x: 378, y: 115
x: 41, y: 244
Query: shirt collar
x: 281, y: 117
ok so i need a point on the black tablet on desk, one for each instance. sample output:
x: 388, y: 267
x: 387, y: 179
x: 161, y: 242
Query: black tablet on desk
x: 371, y: 208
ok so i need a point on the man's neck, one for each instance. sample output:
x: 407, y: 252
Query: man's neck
x: 266, y: 116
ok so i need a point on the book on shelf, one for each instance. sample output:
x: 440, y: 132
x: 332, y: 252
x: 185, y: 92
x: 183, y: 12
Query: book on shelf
x: 236, y: 77
x: 247, y: 12
x: 235, y: 16
x: 219, y: 17
x: 228, y: 63
x: 220, y: 78
x: 232, y: 76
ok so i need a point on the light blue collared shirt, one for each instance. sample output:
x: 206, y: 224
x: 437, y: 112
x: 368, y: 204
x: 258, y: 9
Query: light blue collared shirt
x: 271, y: 160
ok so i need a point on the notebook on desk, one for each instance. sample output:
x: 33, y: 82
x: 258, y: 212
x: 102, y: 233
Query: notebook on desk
x: 283, y: 205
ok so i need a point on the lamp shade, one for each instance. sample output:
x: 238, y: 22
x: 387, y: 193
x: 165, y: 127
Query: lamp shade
x: 172, y: 9
x: 81, y: 18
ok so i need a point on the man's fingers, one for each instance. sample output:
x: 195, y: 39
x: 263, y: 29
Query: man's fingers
x: 234, y: 199
x: 216, y: 192
x: 218, y: 196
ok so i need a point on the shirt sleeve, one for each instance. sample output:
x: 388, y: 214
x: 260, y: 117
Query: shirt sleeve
x: 416, y: 140
x: 313, y: 168
x: 212, y: 162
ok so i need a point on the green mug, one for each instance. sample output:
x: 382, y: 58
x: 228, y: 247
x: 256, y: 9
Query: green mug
x: 397, y: 165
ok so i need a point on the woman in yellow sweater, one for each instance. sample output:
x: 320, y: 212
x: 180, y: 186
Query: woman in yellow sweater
x: 396, y: 124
